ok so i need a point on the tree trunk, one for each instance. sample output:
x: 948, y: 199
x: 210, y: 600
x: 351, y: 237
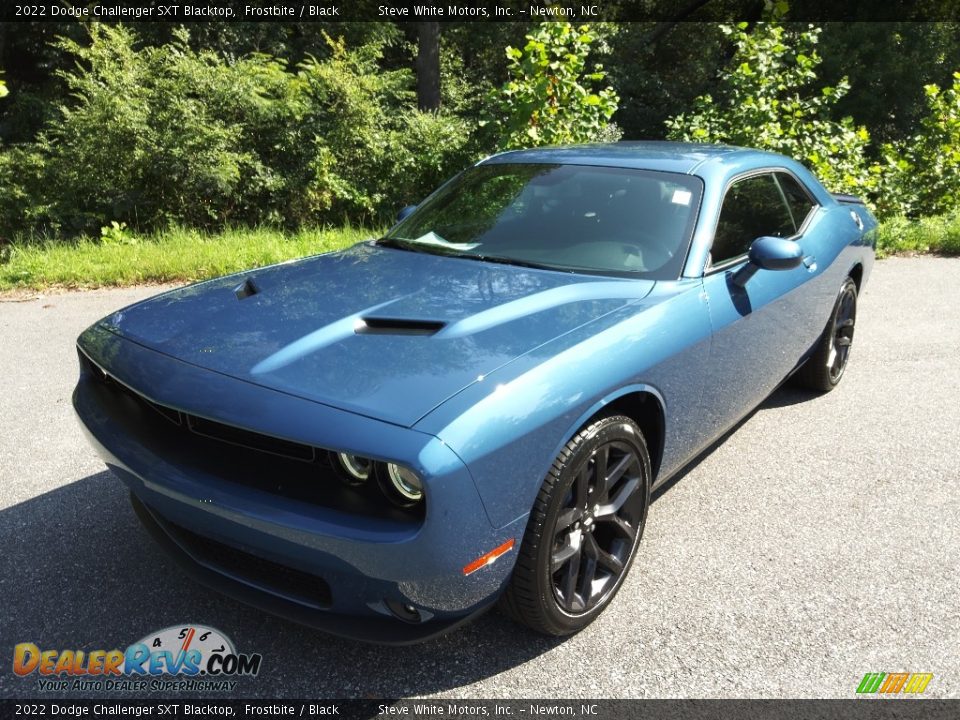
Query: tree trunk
x: 428, y: 66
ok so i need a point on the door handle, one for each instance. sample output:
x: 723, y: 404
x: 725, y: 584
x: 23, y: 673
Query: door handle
x: 810, y: 262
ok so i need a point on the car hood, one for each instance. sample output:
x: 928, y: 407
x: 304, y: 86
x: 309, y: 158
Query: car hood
x: 382, y: 332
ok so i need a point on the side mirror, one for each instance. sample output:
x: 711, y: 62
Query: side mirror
x: 769, y: 253
x: 404, y: 211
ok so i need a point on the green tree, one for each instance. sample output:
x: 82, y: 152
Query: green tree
x: 373, y: 150
x: 926, y: 169
x: 155, y: 135
x: 158, y: 135
x: 888, y: 65
x: 550, y: 97
x: 937, y: 150
x: 658, y: 71
x: 768, y: 99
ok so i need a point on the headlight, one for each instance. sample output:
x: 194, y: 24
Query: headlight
x: 356, y: 469
x: 402, y: 485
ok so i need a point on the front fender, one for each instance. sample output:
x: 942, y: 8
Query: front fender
x: 509, y: 427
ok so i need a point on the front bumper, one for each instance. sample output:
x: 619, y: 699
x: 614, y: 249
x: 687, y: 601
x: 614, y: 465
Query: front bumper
x: 380, y: 630
x: 339, y: 571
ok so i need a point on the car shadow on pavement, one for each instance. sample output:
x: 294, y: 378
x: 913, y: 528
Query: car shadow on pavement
x: 78, y: 571
x: 787, y: 395
x: 784, y: 396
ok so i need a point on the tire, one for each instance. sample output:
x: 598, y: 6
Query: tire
x: 825, y: 367
x: 579, y: 529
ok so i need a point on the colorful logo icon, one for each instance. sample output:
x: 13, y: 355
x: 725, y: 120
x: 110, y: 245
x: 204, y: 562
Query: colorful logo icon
x: 893, y: 683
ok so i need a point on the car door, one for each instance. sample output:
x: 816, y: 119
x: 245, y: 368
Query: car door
x: 760, y: 330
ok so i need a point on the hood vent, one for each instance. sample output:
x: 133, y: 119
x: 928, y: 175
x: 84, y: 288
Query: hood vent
x: 397, y: 326
x: 245, y: 289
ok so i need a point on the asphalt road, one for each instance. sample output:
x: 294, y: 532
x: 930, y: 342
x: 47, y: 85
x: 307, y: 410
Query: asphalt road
x: 816, y: 543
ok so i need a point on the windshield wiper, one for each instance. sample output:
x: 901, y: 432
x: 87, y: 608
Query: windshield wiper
x: 414, y: 246
x: 431, y: 249
x: 398, y: 244
x: 510, y: 261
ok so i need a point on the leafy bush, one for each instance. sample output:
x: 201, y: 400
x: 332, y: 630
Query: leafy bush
x: 154, y: 136
x: 22, y: 193
x: 939, y: 234
x: 373, y: 150
x: 767, y: 100
x: 549, y: 98
x: 429, y: 148
x: 348, y: 117
x: 926, y: 170
x: 116, y: 234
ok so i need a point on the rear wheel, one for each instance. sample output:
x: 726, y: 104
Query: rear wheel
x: 584, y: 529
x: 822, y: 370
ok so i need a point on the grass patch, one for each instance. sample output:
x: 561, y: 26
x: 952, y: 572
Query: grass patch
x: 182, y: 255
x: 940, y: 234
x: 172, y: 256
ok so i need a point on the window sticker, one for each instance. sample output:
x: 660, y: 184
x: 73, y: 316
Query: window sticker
x: 681, y: 197
x: 431, y: 238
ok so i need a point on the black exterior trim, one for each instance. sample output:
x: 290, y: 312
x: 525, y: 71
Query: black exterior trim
x: 846, y: 199
x: 365, y: 628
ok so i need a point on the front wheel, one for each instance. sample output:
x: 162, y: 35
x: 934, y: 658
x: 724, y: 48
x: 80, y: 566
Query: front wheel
x: 584, y: 529
x: 822, y: 370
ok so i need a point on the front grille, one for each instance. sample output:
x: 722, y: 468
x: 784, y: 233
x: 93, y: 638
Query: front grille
x: 210, y: 428
x: 269, y: 464
x: 265, y: 574
x: 245, y: 438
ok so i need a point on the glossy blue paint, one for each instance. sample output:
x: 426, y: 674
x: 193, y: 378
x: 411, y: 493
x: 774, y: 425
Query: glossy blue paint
x: 773, y: 253
x: 529, y: 409
x: 298, y: 333
x: 472, y: 374
x: 367, y: 560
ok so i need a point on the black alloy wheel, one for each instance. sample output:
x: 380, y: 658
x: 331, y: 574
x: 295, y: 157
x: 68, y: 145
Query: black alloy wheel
x: 844, y: 321
x: 584, y: 529
x: 825, y: 367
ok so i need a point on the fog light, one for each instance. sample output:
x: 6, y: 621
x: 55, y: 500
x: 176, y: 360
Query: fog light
x: 405, y: 487
x: 403, y: 611
x: 356, y: 469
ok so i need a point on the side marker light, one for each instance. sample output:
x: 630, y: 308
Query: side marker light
x: 489, y: 557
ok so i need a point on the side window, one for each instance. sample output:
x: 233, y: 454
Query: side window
x: 798, y: 199
x: 753, y: 207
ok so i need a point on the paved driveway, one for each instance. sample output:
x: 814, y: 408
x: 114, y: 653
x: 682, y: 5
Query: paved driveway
x: 816, y: 543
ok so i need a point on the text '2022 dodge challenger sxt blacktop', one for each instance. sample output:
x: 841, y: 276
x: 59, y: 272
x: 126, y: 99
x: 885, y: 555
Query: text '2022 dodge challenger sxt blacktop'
x: 381, y: 442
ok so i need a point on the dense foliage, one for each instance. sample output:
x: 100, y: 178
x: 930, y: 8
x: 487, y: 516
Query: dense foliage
x: 157, y: 135
x: 135, y: 129
x: 928, y: 164
x: 768, y: 100
x: 549, y: 99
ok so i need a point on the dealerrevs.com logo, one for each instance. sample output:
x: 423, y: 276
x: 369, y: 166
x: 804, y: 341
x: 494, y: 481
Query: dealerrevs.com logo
x: 199, y: 658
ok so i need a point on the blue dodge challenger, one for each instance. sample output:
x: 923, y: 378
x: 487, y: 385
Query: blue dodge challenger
x: 384, y: 441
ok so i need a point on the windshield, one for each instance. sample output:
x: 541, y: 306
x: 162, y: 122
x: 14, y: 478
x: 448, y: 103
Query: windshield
x: 563, y: 217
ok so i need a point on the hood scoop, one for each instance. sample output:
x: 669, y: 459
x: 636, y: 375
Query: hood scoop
x: 245, y: 289
x: 397, y: 326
